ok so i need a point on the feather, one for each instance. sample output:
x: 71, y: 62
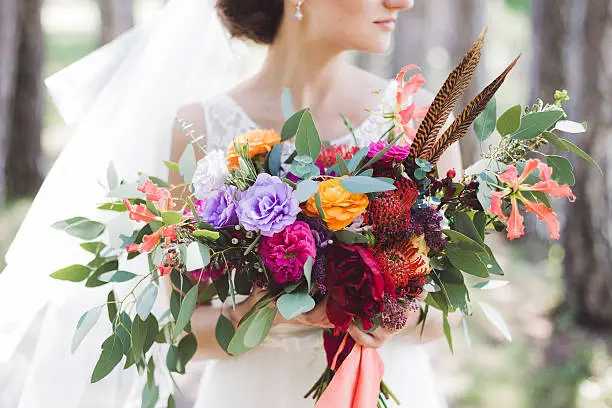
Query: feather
x: 442, y: 106
x: 460, y: 126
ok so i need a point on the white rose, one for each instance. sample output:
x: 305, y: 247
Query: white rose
x: 210, y: 173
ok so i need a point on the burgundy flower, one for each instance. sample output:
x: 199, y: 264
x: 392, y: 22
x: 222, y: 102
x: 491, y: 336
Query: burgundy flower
x: 355, y: 285
x: 332, y: 343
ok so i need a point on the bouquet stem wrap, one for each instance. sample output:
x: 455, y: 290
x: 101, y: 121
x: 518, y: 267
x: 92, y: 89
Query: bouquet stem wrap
x: 356, y: 383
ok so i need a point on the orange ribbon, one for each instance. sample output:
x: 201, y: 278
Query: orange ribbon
x: 356, y: 384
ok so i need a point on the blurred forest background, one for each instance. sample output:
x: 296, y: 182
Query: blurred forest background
x: 558, y: 305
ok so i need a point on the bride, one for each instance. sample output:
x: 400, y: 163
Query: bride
x: 306, y: 41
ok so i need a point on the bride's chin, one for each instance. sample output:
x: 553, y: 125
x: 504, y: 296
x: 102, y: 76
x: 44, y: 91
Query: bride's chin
x: 378, y: 45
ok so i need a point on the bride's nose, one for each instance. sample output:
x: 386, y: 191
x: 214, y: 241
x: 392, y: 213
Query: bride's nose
x: 399, y: 4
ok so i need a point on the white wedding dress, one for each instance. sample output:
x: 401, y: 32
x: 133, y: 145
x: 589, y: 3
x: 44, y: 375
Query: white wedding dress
x: 279, y: 372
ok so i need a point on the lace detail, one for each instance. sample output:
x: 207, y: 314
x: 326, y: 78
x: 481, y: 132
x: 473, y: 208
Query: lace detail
x: 225, y: 120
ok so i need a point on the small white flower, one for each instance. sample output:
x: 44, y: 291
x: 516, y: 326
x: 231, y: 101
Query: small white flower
x: 210, y: 173
x: 444, y: 225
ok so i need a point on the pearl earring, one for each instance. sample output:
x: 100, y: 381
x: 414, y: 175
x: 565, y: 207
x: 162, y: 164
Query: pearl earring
x: 298, y: 11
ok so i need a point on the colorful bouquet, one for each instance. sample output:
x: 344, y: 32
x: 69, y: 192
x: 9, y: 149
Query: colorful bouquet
x: 369, y: 231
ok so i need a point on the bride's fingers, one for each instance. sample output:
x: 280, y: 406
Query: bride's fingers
x: 365, y: 339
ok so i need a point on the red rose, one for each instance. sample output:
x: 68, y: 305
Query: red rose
x: 356, y: 286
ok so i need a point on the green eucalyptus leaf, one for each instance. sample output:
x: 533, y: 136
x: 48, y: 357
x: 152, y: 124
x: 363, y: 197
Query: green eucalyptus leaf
x: 534, y: 124
x: 294, y: 304
x: 364, y: 185
x: 292, y: 124
x: 484, y: 125
x: 357, y: 158
x: 306, y: 189
x: 466, y: 261
x: 146, y: 300
x: 81, y: 227
x: 510, y: 121
x: 127, y: 191
x: 87, y: 321
x: 350, y: 237
x: 197, y: 256
x: 112, y: 354
x: 563, y: 171
x: 448, y: 332
x: 187, y: 348
x: 582, y: 154
x: 344, y: 169
x: 274, y: 159
x: 150, y: 396
x: 172, y: 217
x: 464, y: 241
x: 172, y: 166
x: 111, y: 305
x: 307, y: 141
x: 224, y: 332
x: 73, y: 273
x: 555, y: 140
x: 466, y: 226
x: 187, y: 164
x: 187, y: 308
x: 569, y: 126
x: 496, y: 319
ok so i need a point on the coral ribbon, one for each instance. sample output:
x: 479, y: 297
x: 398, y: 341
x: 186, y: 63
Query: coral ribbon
x: 356, y: 384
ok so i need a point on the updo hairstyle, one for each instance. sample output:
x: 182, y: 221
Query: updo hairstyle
x: 256, y: 20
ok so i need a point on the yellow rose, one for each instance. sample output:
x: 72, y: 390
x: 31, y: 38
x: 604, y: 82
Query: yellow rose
x: 260, y: 141
x: 340, y: 206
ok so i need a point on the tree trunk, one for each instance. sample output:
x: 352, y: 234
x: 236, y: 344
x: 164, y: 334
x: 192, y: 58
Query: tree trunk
x: 117, y: 17
x: 586, y: 311
x: 23, y: 177
x: 9, y: 38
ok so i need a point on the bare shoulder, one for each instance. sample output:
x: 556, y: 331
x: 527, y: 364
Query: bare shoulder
x: 368, y: 81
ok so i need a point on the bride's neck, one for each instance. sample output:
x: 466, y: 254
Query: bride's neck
x: 310, y: 70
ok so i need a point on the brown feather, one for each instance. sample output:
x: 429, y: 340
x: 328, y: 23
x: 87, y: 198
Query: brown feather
x: 463, y: 122
x: 442, y: 106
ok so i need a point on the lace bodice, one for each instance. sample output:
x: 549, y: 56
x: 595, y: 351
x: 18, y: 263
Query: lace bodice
x: 225, y: 120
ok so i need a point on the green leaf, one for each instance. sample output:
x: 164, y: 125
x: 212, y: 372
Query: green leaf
x: 484, y: 125
x: 423, y: 164
x: 448, y: 332
x: 490, y: 262
x: 581, y: 153
x: 274, y: 159
x: 146, y: 300
x: 187, y: 164
x: 187, y: 308
x: 197, y: 257
x: 73, y: 273
x: 87, y: 321
x: 124, y: 331
x: 555, y: 140
x: 172, y: 166
x: 466, y: 226
x: 111, y: 305
x: 81, y: 227
x: 420, y: 174
x: 119, y: 277
x: 207, y: 294
x: 357, y: 158
x: 213, y: 235
x: 172, y: 217
x: 291, y: 126
x: 306, y: 189
x: 287, y: 103
x: 118, y: 207
x: 484, y: 193
x: 143, y: 335
x: 319, y: 205
x: 224, y: 332
x: 563, y: 171
x: 510, y: 121
x: 166, y: 334
x: 350, y: 237
x: 458, y: 297
x: 569, y: 126
x: 480, y: 222
x: 307, y: 141
x: 187, y: 348
x: 93, y: 247
x: 171, y: 402
x: 294, y: 304
x: 308, y: 271
x: 344, y: 170
x: 463, y: 241
x: 151, y: 373
x: 253, y: 331
x: 534, y: 124
x: 173, y: 362
x: 491, y: 284
x: 466, y: 261
x: 364, y: 185
x: 496, y: 319
x: 150, y: 396
x: 112, y: 353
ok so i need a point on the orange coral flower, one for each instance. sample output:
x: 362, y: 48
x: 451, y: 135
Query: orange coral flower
x: 513, y: 187
x: 159, y: 196
x: 340, y: 206
x: 406, y: 117
x: 140, y: 212
x: 260, y: 141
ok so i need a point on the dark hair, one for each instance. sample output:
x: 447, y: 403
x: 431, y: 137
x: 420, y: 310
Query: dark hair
x: 257, y: 20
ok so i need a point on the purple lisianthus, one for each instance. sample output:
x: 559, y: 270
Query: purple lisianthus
x: 218, y: 208
x: 268, y: 206
x: 394, y: 154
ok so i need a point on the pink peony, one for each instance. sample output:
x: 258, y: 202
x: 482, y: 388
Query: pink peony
x: 285, y: 253
x: 395, y: 154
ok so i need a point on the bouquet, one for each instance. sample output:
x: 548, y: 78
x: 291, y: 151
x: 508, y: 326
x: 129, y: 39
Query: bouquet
x: 370, y: 231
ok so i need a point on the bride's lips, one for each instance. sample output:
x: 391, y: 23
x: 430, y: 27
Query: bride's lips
x: 387, y: 24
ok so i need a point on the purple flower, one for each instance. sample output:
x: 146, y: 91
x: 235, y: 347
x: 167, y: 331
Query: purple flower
x: 219, y: 207
x: 395, y: 154
x: 427, y: 220
x: 268, y: 206
x: 320, y: 232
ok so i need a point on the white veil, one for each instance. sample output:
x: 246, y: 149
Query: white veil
x: 121, y: 100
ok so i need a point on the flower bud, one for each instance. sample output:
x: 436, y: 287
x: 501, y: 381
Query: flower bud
x: 451, y: 174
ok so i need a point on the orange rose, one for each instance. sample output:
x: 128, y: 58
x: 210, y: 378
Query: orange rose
x: 340, y: 206
x: 260, y: 142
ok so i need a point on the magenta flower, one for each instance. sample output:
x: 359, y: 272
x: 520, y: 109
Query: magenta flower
x: 395, y: 154
x: 285, y: 253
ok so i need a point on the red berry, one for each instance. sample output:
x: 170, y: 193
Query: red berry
x: 451, y: 174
